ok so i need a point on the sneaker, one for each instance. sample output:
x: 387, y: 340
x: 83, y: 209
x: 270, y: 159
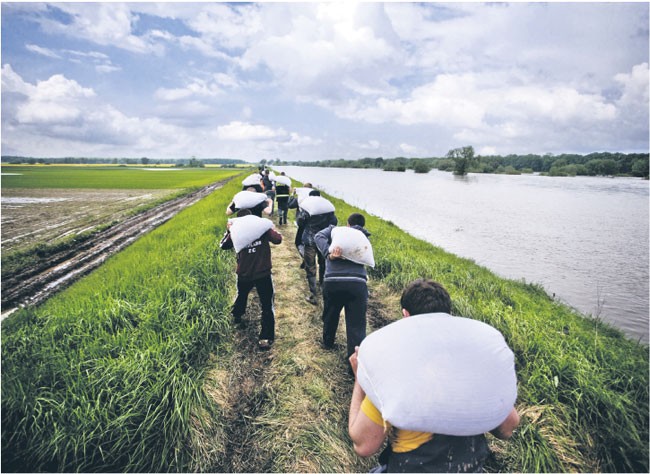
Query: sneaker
x: 312, y: 299
x: 327, y: 347
x: 264, y: 344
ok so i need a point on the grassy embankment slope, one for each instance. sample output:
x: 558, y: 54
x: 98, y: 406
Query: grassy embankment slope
x: 136, y: 367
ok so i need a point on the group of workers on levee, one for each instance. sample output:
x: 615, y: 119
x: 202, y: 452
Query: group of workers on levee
x: 342, y: 285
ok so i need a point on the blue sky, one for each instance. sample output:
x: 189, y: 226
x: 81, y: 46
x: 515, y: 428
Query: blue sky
x: 309, y: 81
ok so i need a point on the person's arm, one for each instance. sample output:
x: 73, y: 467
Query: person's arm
x: 322, y: 240
x: 505, y: 429
x: 367, y: 436
x: 275, y: 237
x: 333, y: 220
x: 226, y: 240
x: 268, y: 208
x: 230, y: 209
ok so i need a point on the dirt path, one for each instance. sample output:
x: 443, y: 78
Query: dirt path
x: 38, y: 283
x: 286, y: 409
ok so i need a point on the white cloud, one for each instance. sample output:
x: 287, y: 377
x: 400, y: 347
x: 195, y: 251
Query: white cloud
x: 408, y: 149
x: 246, y: 131
x: 59, y: 110
x: 108, y: 24
x: 43, y: 51
x: 370, y: 145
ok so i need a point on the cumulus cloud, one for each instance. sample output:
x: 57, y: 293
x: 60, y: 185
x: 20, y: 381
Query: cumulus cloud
x: 65, y: 111
x: 246, y: 131
x: 104, y: 24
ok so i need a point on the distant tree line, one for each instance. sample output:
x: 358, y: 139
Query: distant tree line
x: 462, y: 160
x: 189, y: 162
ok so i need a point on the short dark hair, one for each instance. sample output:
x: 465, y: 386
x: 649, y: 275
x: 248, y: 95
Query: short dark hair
x: 243, y: 212
x: 425, y: 296
x: 356, y: 219
x: 315, y: 192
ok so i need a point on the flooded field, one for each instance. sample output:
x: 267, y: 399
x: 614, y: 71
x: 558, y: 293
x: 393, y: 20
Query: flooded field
x: 43, y: 216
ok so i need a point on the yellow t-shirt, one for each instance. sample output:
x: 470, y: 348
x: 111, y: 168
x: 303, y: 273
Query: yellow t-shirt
x: 402, y: 441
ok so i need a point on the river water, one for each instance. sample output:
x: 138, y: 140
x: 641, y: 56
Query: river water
x: 584, y: 239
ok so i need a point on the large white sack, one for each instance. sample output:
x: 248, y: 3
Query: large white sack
x: 252, y: 180
x: 247, y: 229
x: 248, y: 199
x: 316, y: 205
x: 354, y: 245
x: 302, y: 193
x: 438, y: 373
x: 272, y: 176
x: 284, y: 180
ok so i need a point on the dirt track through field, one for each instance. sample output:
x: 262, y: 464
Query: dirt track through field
x: 59, y: 270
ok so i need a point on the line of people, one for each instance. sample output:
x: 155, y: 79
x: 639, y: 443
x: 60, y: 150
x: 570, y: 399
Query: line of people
x: 341, y: 284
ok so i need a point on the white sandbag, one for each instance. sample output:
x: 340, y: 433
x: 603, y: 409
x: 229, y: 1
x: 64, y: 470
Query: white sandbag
x: 316, y: 205
x: 272, y: 176
x: 252, y: 180
x: 284, y: 180
x: 248, y: 199
x: 247, y: 229
x: 354, y: 245
x: 302, y: 193
x: 438, y: 373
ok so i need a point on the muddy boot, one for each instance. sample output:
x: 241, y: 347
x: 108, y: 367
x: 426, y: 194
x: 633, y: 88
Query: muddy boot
x: 313, y: 290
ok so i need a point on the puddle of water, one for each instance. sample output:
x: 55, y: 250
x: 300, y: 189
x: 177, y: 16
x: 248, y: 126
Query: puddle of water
x: 30, y: 200
x: 161, y: 169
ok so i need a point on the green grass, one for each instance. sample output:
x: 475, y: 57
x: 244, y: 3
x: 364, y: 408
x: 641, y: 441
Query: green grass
x: 108, y: 375
x: 588, y: 383
x: 109, y: 177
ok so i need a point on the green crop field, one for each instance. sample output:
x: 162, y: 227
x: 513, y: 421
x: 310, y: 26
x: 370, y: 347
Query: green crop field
x: 109, y: 177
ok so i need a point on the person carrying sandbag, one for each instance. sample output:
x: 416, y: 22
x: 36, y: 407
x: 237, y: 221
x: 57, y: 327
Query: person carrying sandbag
x: 316, y: 213
x: 283, y: 193
x: 269, y: 189
x: 433, y: 384
x: 345, y: 281
x: 253, y: 269
x: 256, y: 202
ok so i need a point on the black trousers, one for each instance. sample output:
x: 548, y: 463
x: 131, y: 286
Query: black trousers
x: 353, y: 296
x: 266, y: 294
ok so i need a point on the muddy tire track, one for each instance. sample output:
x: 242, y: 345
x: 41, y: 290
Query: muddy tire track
x: 38, y: 283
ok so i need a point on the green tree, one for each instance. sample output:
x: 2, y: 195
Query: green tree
x: 463, y: 159
x: 421, y: 166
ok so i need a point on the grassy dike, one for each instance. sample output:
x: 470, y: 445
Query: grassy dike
x: 137, y: 368
x: 108, y: 375
x: 583, y: 387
